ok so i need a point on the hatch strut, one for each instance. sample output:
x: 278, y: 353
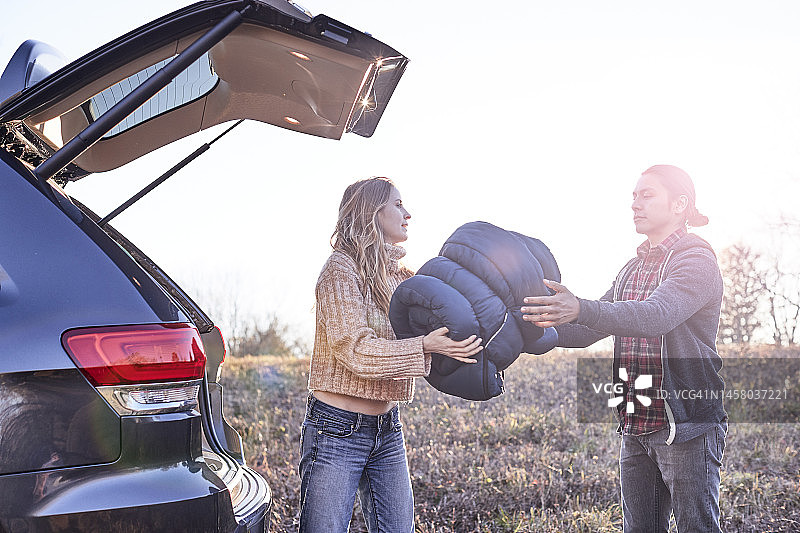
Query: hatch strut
x: 86, y: 138
x: 161, y: 179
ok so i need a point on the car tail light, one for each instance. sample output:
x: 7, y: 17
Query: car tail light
x: 151, y: 353
x: 224, y: 354
x: 142, y: 369
x: 222, y: 339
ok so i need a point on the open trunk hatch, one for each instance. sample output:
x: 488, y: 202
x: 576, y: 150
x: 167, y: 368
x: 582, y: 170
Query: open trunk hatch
x: 279, y: 65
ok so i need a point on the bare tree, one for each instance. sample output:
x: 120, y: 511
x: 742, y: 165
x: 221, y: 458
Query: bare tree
x: 782, y: 281
x: 744, y: 290
x: 262, y: 338
x: 243, y: 331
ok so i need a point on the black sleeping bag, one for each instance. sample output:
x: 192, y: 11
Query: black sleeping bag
x: 476, y: 286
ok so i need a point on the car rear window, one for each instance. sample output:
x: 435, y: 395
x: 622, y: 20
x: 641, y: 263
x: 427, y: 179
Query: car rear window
x: 193, y: 83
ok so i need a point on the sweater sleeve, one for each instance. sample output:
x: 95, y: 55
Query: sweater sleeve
x: 353, y: 343
x: 575, y: 335
x: 690, y: 284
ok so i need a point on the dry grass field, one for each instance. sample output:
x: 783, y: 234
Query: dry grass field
x: 518, y: 463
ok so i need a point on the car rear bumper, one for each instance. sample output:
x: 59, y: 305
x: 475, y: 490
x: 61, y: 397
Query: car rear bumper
x: 250, y: 494
x: 155, y: 485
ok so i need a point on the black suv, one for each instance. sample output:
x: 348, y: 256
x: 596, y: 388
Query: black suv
x: 110, y: 407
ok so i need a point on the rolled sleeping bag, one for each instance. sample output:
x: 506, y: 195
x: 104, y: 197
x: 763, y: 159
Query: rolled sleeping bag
x: 475, y: 287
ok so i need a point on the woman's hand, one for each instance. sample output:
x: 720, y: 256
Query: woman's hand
x: 438, y: 341
x: 560, y: 308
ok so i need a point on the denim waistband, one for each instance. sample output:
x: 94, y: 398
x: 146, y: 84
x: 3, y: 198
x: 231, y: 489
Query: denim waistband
x: 316, y: 407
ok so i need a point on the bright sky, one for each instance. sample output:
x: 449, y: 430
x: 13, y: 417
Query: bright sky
x: 537, y: 116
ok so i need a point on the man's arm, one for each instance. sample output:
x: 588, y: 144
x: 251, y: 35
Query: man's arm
x: 577, y: 336
x: 571, y: 335
x: 689, y: 285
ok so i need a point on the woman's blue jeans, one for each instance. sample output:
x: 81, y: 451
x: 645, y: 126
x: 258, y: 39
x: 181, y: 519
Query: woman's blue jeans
x: 343, y: 453
x: 658, y: 479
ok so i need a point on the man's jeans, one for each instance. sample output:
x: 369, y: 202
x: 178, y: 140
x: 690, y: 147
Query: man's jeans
x: 657, y: 478
x: 342, y: 453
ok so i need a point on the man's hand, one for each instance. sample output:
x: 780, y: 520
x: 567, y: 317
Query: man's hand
x: 561, y: 308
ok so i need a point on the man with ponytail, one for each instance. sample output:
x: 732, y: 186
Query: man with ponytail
x: 663, y: 312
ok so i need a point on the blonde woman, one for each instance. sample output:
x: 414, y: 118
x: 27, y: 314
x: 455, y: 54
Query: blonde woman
x: 351, y: 440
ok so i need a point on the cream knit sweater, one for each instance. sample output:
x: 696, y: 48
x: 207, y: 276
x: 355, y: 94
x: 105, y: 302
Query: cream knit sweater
x: 355, y: 349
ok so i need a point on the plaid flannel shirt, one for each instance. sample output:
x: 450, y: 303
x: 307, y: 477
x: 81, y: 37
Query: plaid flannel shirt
x: 641, y: 356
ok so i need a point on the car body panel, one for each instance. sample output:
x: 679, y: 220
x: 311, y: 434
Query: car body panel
x: 154, y: 483
x: 63, y: 279
x: 31, y: 63
x: 50, y: 419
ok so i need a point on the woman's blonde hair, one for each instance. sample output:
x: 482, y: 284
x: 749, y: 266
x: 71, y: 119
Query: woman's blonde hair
x: 358, y: 234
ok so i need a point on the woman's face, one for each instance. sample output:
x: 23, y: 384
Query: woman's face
x: 393, y: 219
